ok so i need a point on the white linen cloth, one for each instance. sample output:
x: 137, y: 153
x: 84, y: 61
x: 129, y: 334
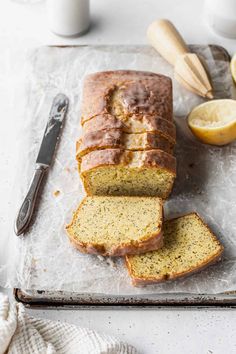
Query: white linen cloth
x: 22, y: 334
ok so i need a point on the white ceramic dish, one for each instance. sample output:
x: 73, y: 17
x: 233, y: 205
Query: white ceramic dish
x: 221, y: 16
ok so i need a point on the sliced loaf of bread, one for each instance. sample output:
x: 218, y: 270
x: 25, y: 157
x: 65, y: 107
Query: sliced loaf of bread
x: 116, y: 138
x: 123, y: 172
x: 132, y: 124
x: 115, y: 226
x: 189, y: 246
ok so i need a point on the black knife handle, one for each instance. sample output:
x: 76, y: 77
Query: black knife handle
x: 27, y: 208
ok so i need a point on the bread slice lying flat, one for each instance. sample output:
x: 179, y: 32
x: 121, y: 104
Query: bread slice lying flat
x: 123, y: 172
x: 115, y: 226
x: 116, y: 138
x: 189, y: 246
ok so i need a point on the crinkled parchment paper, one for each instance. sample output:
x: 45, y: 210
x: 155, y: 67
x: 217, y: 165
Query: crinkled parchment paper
x: 206, y: 182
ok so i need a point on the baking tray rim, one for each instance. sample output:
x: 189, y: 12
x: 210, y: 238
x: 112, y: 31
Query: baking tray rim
x: 47, y: 299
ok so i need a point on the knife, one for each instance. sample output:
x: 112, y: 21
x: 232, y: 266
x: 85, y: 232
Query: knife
x: 45, y: 157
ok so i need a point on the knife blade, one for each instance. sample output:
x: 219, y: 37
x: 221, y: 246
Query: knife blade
x: 45, y: 157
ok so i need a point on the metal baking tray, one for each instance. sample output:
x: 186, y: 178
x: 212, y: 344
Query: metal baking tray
x: 42, y: 299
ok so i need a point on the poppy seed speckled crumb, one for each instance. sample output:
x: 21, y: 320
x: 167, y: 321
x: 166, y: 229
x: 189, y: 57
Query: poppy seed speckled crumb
x: 189, y: 246
x: 115, y: 226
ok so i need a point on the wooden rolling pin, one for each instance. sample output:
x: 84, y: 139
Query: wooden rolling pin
x: 188, y: 69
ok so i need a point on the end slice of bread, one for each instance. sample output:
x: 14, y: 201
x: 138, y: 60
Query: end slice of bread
x: 115, y: 226
x: 126, y: 92
x: 189, y: 246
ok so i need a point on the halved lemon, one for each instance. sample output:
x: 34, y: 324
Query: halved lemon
x: 233, y: 67
x: 214, y: 122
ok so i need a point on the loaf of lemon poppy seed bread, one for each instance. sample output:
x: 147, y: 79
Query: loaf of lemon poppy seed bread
x: 118, y: 105
x: 126, y: 93
x: 117, y: 138
x: 189, y: 246
x: 123, y: 172
x: 116, y: 226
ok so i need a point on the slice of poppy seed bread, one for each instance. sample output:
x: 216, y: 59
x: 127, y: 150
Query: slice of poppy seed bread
x: 134, y: 124
x: 123, y: 172
x: 189, y: 246
x: 115, y: 226
x: 116, y: 138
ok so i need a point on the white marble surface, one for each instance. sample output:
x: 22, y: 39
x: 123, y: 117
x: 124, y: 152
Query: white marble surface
x: 116, y: 22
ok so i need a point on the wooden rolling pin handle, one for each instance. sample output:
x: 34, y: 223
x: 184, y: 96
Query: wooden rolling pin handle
x: 165, y: 38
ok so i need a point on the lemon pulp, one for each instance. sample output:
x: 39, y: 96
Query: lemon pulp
x: 214, y: 122
x: 233, y: 67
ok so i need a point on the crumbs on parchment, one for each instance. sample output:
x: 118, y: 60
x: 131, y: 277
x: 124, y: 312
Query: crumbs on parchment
x: 56, y: 193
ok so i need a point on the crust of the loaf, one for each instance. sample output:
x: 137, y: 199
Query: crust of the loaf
x: 116, y: 74
x: 151, y: 159
x: 153, y: 243
x: 115, y: 138
x: 137, y: 281
x: 148, y: 243
x: 150, y: 123
x: 154, y: 92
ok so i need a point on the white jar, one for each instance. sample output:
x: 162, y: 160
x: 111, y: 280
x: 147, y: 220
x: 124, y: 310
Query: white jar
x: 68, y: 17
x: 221, y: 16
